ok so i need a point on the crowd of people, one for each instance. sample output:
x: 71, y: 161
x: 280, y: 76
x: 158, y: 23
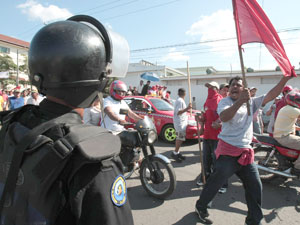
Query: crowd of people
x: 79, y: 165
x: 13, y: 97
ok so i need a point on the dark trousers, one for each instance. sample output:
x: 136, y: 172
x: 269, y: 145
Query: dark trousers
x: 226, y: 166
x: 209, y: 157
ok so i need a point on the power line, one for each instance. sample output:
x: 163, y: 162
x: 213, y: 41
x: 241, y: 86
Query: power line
x: 201, y: 42
x: 141, y: 10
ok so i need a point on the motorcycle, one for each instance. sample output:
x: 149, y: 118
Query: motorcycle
x: 157, y: 174
x: 272, y: 159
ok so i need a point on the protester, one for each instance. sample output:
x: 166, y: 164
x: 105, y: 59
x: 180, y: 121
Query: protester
x: 16, y: 101
x: 25, y: 95
x: 146, y: 88
x: 284, y: 127
x: 180, y: 120
x: 72, y: 171
x: 211, y: 127
x: 257, y: 117
x: 35, y: 98
x: 92, y: 114
x: 112, y: 119
x: 271, y: 114
x: 140, y: 87
x: 224, y: 90
x: 234, y: 153
x: 282, y: 102
x: 1, y: 103
x: 194, y: 103
x: 135, y: 91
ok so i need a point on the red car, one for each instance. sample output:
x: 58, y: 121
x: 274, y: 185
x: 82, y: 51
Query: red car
x: 162, y: 114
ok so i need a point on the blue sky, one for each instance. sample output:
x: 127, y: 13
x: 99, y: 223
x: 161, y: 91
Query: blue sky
x: 160, y: 24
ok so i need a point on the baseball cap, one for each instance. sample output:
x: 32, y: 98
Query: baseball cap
x: 34, y: 89
x: 17, y: 89
x: 224, y: 85
x: 212, y: 84
x: 253, y: 88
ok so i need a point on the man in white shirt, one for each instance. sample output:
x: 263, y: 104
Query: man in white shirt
x: 180, y: 121
x: 112, y: 119
x: 140, y: 87
x: 35, y: 97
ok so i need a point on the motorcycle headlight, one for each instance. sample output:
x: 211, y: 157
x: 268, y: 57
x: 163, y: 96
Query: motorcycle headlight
x: 152, y: 137
x: 192, y: 123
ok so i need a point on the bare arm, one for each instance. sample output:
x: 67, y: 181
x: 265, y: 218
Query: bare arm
x: 275, y: 91
x: 134, y: 116
x: 269, y: 112
x: 229, y: 113
x: 110, y: 114
x: 185, y: 110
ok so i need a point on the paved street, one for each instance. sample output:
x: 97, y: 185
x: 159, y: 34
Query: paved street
x: 281, y: 202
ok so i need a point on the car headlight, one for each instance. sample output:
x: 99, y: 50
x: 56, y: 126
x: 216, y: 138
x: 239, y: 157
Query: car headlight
x: 152, y: 137
x: 192, y: 123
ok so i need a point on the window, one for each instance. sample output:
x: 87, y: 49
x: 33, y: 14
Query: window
x: 4, y: 50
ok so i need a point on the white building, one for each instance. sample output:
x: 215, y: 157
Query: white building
x: 16, y: 49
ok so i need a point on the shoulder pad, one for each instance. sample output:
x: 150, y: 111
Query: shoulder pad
x: 93, y: 142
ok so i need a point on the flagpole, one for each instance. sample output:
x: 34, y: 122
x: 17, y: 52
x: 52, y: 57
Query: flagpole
x: 189, y: 84
x: 241, y: 55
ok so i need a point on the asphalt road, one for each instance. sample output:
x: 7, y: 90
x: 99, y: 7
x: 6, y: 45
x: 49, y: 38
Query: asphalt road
x: 281, y: 200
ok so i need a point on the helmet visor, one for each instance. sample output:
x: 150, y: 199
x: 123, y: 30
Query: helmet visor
x: 120, y: 55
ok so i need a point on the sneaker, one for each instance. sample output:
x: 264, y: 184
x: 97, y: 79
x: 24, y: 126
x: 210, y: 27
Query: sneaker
x: 203, y: 214
x: 181, y: 156
x: 199, y: 182
x: 176, y: 157
x: 222, y: 190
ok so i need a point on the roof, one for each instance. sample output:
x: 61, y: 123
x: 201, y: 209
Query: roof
x: 14, y: 41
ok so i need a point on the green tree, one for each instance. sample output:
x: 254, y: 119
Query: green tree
x: 6, y: 63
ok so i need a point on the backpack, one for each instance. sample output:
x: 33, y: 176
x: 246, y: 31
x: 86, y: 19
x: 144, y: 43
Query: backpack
x: 34, y: 168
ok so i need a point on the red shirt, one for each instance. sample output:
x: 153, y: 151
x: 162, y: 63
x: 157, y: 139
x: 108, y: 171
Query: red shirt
x: 281, y: 103
x: 211, y: 115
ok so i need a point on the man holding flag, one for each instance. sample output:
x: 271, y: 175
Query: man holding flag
x: 234, y: 153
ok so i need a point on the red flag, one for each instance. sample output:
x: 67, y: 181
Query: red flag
x: 253, y: 25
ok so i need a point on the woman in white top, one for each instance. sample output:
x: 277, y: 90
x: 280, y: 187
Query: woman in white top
x: 92, y: 114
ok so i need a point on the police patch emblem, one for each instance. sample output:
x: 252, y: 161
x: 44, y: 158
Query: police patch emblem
x: 118, y: 191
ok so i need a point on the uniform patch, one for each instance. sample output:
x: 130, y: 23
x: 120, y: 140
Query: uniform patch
x: 118, y: 191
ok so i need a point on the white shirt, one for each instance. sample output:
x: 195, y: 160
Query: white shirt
x: 140, y: 88
x: 92, y: 116
x: 32, y: 101
x: 115, y: 106
x: 180, y: 121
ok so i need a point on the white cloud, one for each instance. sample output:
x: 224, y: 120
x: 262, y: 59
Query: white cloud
x: 174, y: 55
x: 218, y: 25
x: 37, y: 11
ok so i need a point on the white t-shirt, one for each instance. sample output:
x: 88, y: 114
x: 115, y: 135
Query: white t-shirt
x: 32, y: 101
x: 92, y: 116
x: 239, y: 130
x: 115, y: 105
x: 180, y: 121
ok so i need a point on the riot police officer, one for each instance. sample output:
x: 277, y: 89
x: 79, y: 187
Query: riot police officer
x: 76, y: 165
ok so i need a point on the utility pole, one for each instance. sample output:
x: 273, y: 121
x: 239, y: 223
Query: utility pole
x: 17, y: 81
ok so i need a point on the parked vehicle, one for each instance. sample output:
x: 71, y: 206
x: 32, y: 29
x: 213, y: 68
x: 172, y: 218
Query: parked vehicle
x: 273, y: 160
x: 157, y: 174
x: 161, y: 112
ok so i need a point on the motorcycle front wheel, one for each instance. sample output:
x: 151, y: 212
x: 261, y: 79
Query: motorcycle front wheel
x: 160, y: 181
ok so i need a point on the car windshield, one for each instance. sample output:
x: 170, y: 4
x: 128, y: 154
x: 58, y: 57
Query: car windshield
x: 161, y: 105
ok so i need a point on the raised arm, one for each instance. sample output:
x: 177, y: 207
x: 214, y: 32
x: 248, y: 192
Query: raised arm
x: 275, y: 91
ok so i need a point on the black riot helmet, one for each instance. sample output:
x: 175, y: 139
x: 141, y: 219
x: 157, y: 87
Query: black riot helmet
x: 71, y: 60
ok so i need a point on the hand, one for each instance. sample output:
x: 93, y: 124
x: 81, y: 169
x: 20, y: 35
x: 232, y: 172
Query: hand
x: 122, y: 122
x: 189, y: 106
x: 216, y: 125
x: 244, y: 96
